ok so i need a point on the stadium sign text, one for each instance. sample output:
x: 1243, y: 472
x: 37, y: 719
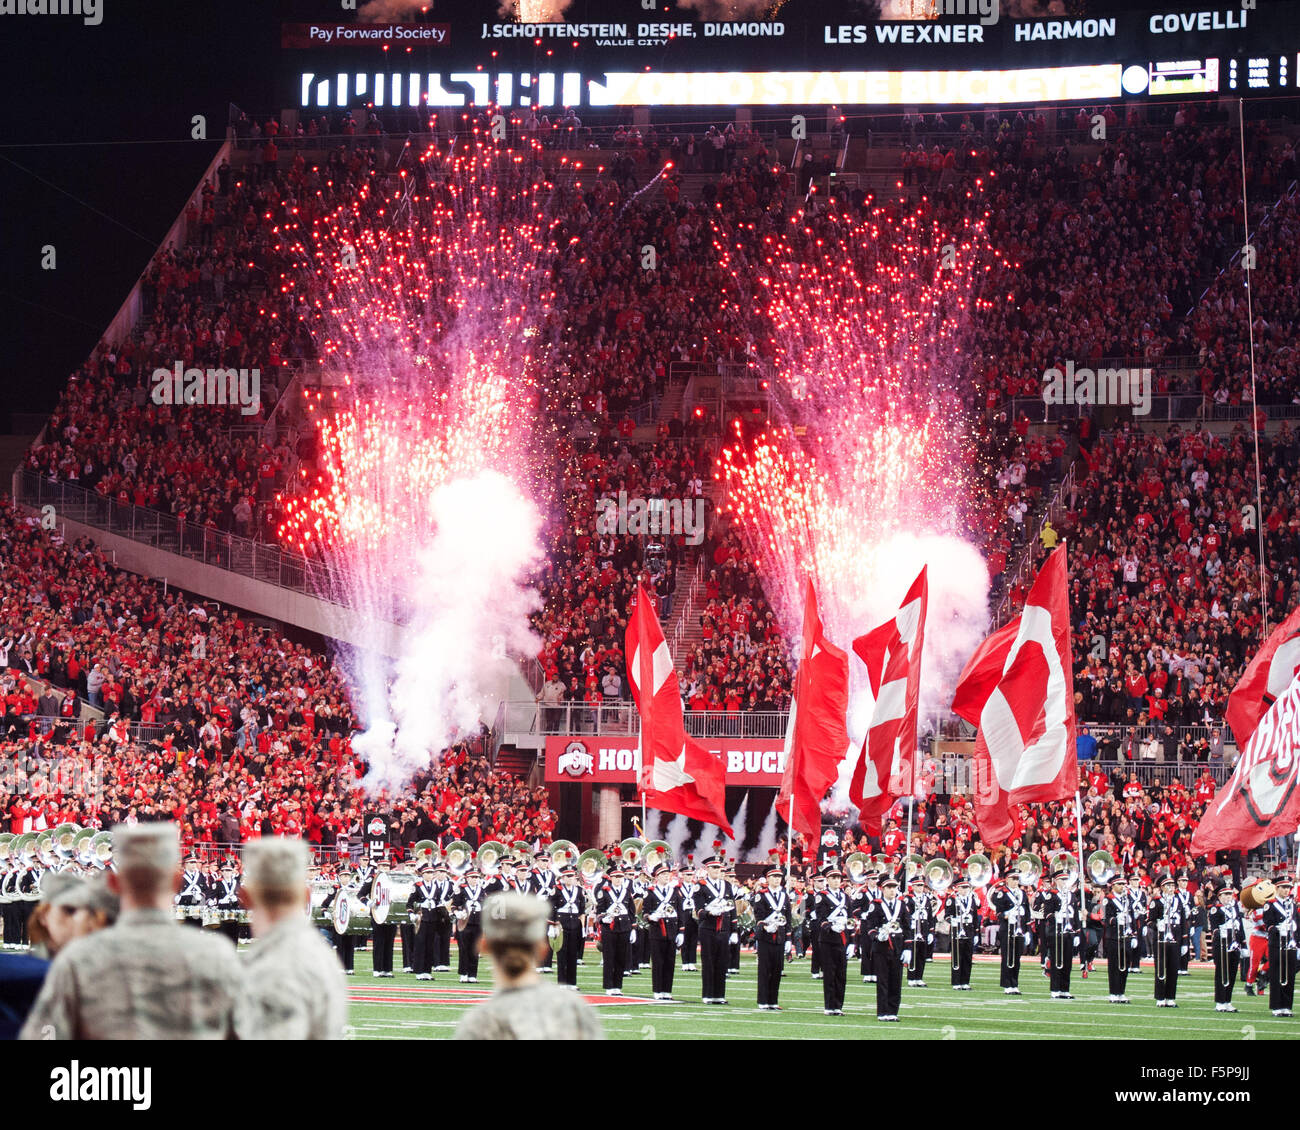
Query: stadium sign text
x: 603, y: 760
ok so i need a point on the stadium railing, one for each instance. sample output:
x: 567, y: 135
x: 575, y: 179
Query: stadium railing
x: 621, y: 719
x: 174, y: 535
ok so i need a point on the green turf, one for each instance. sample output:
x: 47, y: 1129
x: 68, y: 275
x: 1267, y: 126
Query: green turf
x: 936, y: 1013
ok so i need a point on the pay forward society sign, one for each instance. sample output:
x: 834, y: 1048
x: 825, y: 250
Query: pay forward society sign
x: 614, y: 761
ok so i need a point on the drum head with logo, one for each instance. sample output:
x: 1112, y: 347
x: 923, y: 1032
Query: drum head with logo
x: 342, y: 913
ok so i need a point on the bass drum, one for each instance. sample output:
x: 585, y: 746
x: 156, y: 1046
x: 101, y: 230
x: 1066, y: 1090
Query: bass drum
x: 317, y: 912
x: 389, y: 898
x: 351, y: 915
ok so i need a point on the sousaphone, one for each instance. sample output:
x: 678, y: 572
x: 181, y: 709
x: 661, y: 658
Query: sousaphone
x: 424, y: 853
x: 1029, y: 866
x: 655, y: 853
x: 64, y: 842
x: 913, y: 865
x: 1064, y: 860
x: 1101, y: 868
x: 979, y: 869
x: 6, y: 839
x: 101, y: 848
x: 459, y: 857
x: 592, y: 865
x: 938, y: 875
x: 490, y: 854
x: 524, y: 850
x: 562, y: 852
x: 632, y: 849
x: 856, y: 865
x: 81, y: 846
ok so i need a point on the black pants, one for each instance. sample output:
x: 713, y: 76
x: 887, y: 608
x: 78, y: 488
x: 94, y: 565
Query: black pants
x: 1060, y: 955
x: 962, y: 956
x: 422, y: 954
x: 1185, y: 959
x: 663, y: 960
x: 1012, y: 951
x: 1121, y: 955
x: 467, y: 942
x: 1226, y: 963
x: 12, y: 928
x: 408, y: 945
x: 867, y: 951
x: 442, y: 944
x: 713, y: 963
x: 1167, y: 956
x: 613, y: 952
x: 889, y: 979
x: 733, y: 955
x: 771, y: 960
x: 634, y: 951
x: 815, y: 946
x: 346, y: 945
x: 1281, y: 973
x: 230, y: 930
x: 566, y: 964
x: 383, y: 953
x: 690, y: 939
x: 920, y: 952
x: 834, y: 972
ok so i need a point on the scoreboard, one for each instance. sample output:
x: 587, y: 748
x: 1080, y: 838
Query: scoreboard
x: 846, y: 53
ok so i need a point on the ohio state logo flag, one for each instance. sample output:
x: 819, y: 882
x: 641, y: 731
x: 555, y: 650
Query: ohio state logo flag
x: 1260, y: 799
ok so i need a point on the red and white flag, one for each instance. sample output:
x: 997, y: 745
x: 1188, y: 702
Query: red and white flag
x: 1260, y: 799
x: 892, y: 653
x: 1018, y: 689
x: 1265, y: 680
x: 816, y: 736
x: 677, y: 773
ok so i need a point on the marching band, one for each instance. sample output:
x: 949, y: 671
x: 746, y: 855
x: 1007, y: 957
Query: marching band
x: 641, y: 908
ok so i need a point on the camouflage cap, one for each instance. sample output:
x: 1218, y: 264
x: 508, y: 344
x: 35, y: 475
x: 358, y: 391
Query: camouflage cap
x: 515, y: 918
x: 93, y: 894
x: 275, y: 863
x: 58, y: 888
x: 146, y: 847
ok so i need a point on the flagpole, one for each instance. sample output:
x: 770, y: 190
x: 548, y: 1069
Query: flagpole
x: 1083, y: 901
x: 789, y: 841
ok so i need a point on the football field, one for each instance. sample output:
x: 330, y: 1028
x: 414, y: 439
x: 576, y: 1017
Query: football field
x: 403, y: 1008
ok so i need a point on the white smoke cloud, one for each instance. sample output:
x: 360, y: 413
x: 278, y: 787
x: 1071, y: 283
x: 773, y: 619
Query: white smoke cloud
x: 676, y: 839
x: 469, y: 611
x: 760, y: 852
x: 391, y: 11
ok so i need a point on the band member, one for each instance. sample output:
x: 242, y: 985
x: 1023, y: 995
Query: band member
x: 963, y: 914
x: 345, y: 944
x: 662, y: 908
x: 1189, y: 916
x: 421, y: 904
x: 833, y: 915
x: 886, y: 921
x: 637, y: 945
x: 1120, y: 939
x: 542, y: 881
x: 691, y: 881
x: 193, y: 895
x: 406, y: 929
x: 1012, y: 909
x: 467, y: 904
x: 383, y: 933
x: 771, y: 908
x: 1167, y: 925
x: 866, y: 939
x: 568, y: 911
x: 1280, y: 919
x: 1060, y: 920
x: 733, y: 948
x: 444, y: 893
x: 1227, y: 943
x: 920, y: 924
x: 1139, y: 906
x: 812, y: 926
x: 617, y: 918
x: 715, y: 908
x: 225, y: 897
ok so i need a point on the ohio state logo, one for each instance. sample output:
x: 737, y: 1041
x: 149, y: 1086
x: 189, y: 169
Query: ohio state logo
x: 375, y: 827
x: 575, y: 760
x: 1266, y: 776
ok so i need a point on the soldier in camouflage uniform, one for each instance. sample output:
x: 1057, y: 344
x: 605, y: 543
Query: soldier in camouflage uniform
x: 294, y: 990
x: 145, y: 978
x: 524, y: 1007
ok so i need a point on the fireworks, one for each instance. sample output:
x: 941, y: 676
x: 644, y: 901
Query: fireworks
x: 863, y: 475
x: 426, y: 307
